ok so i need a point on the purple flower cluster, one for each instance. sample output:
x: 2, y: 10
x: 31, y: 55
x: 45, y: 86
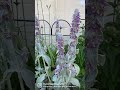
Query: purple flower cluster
x: 73, y: 33
x: 63, y: 64
x: 62, y: 67
x: 75, y: 23
x: 60, y: 44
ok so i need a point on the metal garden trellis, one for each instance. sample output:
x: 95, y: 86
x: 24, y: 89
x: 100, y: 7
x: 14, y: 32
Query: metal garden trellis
x: 42, y: 28
x: 51, y: 28
x: 19, y: 3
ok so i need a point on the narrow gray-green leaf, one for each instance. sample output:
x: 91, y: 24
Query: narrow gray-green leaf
x: 41, y: 78
x: 47, y: 59
x: 75, y: 82
x: 77, y: 68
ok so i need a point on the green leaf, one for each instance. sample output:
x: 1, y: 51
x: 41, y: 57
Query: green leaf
x: 75, y: 82
x: 51, y: 55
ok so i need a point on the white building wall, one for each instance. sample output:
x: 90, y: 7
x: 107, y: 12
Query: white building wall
x: 60, y: 9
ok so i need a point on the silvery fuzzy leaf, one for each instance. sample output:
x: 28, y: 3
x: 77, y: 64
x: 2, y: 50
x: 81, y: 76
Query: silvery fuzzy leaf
x: 73, y: 49
x: 72, y: 59
x: 70, y: 40
x: 37, y: 73
x: 78, y: 34
x: 45, y: 48
x: 40, y: 48
x: 59, y: 81
x: 67, y: 88
x: 36, y: 88
x: 41, y: 51
x: 39, y: 85
x: 41, y: 78
x: 38, y: 45
x: 47, y: 69
x: 28, y: 77
x: 67, y: 57
x: 75, y: 82
x: 77, y: 51
x: 37, y: 58
x: 38, y: 68
x: 47, y: 59
x: 77, y: 68
x: 68, y: 77
x: 43, y: 89
x: 54, y: 78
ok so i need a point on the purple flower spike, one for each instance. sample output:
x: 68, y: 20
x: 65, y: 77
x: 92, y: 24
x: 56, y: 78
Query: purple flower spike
x: 64, y: 66
x: 75, y: 24
x: 73, y: 33
x: 60, y: 43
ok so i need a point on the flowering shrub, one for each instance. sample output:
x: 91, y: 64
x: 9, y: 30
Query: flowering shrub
x: 65, y: 69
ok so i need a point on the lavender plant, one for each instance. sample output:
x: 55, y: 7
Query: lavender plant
x: 66, y: 69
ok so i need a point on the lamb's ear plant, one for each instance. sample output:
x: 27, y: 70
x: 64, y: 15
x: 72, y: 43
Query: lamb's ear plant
x: 13, y: 59
x: 66, y: 68
x: 42, y: 62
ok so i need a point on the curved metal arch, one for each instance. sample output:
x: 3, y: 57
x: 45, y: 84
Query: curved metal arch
x: 61, y: 20
x: 51, y: 27
x: 47, y: 23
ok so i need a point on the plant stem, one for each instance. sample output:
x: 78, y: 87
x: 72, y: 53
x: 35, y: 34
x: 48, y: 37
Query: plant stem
x: 46, y: 71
